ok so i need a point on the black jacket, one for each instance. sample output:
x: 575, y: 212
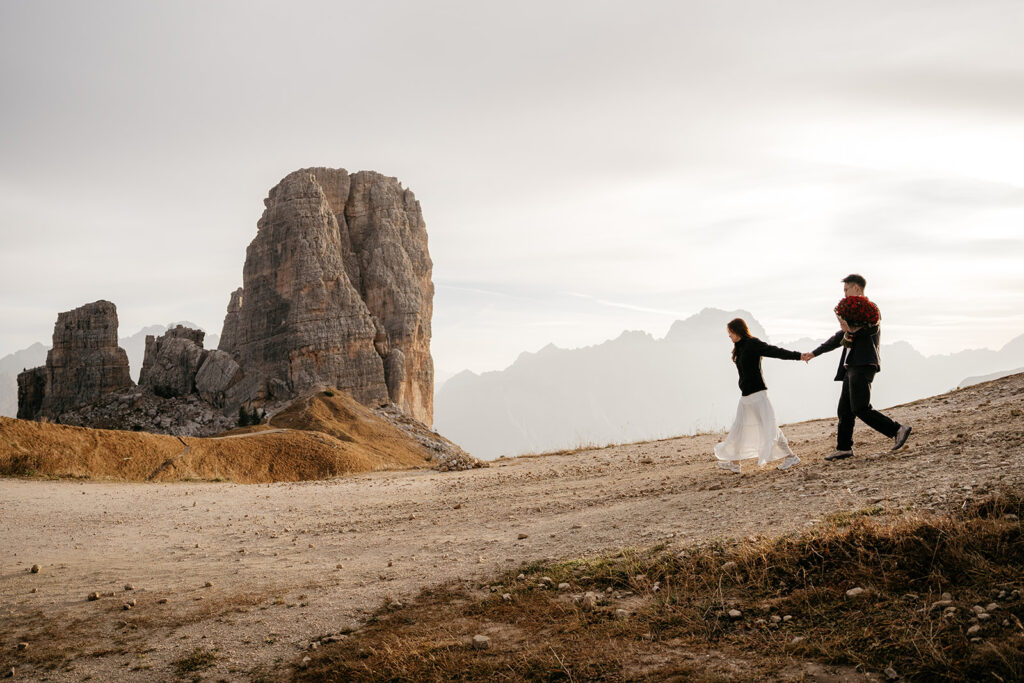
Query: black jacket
x: 864, y: 350
x: 748, y: 362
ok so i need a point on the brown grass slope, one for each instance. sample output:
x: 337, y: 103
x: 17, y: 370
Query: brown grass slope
x: 662, y: 614
x: 323, y: 435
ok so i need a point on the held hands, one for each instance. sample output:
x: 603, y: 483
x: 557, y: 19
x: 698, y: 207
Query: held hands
x: 806, y: 357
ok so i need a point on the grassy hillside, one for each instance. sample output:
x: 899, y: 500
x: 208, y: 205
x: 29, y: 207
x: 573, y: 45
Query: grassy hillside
x: 319, y: 436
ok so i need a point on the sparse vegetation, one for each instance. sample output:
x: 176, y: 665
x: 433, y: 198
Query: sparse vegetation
x: 664, y: 613
x: 197, y: 660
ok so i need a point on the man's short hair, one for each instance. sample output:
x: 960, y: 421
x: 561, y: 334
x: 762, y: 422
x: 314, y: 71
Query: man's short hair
x: 854, y: 279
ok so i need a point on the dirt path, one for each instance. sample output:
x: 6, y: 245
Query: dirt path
x: 292, y: 562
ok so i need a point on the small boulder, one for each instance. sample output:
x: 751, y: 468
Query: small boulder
x: 854, y: 592
x: 36, y: 569
x: 481, y: 642
x: 735, y: 614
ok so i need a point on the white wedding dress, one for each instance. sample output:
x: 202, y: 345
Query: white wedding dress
x: 754, y: 433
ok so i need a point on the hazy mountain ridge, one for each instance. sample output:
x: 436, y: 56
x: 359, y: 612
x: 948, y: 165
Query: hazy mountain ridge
x: 35, y: 355
x: 637, y: 387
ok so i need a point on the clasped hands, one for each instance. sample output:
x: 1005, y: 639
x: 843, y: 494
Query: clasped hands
x: 806, y: 357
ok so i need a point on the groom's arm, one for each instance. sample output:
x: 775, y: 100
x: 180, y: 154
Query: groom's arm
x: 830, y: 344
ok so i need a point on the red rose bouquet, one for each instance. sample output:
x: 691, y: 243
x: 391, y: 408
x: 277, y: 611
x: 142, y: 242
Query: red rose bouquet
x: 857, y: 311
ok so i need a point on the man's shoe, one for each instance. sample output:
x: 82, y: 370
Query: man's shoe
x: 730, y: 465
x: 838, y: 455
x: 788, y: 462
x: 901, y: 437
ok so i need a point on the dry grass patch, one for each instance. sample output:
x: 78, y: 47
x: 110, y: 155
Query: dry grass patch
x: 660, y: 612
x: 323, y: 435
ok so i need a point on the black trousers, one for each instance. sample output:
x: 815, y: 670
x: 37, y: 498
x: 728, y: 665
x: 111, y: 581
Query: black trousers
x: 854, y: 402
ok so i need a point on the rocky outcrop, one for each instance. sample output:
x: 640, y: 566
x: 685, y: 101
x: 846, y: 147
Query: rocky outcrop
x: 139, y: 410
x: 84, y: 364
x: 172, y: 361
x: 336, y: 291
x: 31, y: 389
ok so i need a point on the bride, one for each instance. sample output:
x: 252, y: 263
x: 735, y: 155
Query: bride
x: 754, y: 433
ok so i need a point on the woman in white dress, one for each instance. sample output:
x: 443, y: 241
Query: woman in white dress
x: 754, y: 433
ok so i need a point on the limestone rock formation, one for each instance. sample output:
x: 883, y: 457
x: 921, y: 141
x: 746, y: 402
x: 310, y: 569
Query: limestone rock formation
x: 216, y: 377
x: 336, y: 291
x: 31, y: 389
x: 172, y: 361
x: 84, y: 364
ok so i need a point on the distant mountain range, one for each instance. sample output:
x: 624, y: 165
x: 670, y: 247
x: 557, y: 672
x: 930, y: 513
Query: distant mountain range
x: 637, y: 387
x: 35, y: 355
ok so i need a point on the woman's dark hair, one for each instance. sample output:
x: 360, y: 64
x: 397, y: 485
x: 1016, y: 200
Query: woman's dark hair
x: 738, y: 326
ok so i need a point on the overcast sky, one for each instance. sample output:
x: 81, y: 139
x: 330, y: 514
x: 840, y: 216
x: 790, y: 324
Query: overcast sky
x: 583, y: 167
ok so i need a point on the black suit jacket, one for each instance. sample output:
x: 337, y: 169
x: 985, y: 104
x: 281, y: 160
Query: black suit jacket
x: 864, y: 351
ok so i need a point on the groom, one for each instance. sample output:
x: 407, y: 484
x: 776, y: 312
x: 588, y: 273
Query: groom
x: 857, y: 367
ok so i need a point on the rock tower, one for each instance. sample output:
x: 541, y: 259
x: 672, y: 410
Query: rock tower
x: 336, y: 290
x: 84, y: 364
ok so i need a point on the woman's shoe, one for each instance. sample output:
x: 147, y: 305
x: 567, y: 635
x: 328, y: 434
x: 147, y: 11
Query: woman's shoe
x: 788, y: 462
x: 730, y: 465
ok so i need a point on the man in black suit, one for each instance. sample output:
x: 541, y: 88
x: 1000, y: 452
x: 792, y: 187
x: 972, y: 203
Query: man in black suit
x: 857, y: 368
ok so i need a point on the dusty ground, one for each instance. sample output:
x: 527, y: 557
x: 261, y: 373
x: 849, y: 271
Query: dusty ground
x: 295, y: 561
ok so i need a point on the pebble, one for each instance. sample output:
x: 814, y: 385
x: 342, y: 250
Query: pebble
x: 589, y: 600
x: 776, y: 618
x: 481, y: 642
x: 621, y: 614
x: 854, y: 592
x: 162, y: 601
x: 891, y: 674
x: 93, y: 596
x: 34, y: 590
x: 129, y: 587
x: 983, y: 616
x: 787, y: 618
x: 978, y: 609
x: 992, y: 607
x: 339, y: 566
x: 507, y: 597
x: 797, y: 640
x: 974, y: 629
x: 947, y: 596
x: 735, y: 614
x: 36, y: 569
x: 209, y: 584
x: 22, y: 646
x: 564, y: 586
x: 522, y: 536
x: 520, y: 577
